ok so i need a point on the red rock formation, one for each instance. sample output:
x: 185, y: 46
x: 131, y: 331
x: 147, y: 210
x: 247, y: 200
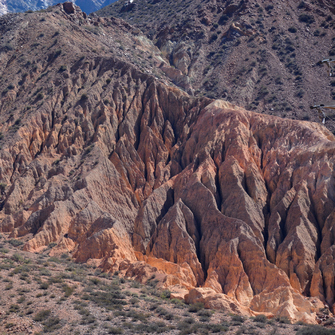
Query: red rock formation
x: 137, y: 176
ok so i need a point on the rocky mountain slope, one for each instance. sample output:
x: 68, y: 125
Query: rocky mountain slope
x: 261, y: 55
x: 14, y: 6
x: 104, y: 158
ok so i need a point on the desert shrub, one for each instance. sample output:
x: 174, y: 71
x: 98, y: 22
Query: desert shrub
x: 21, y: 300
x: 45, y: 272
x: 194, y: 308
x: 9, y: 286
x: 17, y: 258
x: 283, y: 319
x: 15, y: 243
x: 112, y: 299
x: 205, y: 313
x: 51, y: 324
x: 68, y: 290
x: 309, y: 19
x: 301, y: 5
x: 153, y: 307
x: 135, y: 284
x: 114, y: 330
x: 300, y: 93
x: 278, y: 81
x: 260, y: 318
x: 55, y: 280
x: 2, y: 185
x: 54, y: 260
x: 95, y: 281
x: 237, y: 318
x: 313, y: 330
x: 14, y: 308
x: 39, y: 96
x: 83, y: 97
x: 133, y: 301
x: 136, y: 316
x: 58, y: 52
x: 87, y: 319
x: 223, y: 19
x: 62, y: 68
x: 8, y: 47
x: 44, y: 286
x: 183, y: 325
x: 332, y: 51
x: 42, y: 315
x: 161, y: 311
x: 189, y: 320
x: 213, y: 38
x: 166, y: 294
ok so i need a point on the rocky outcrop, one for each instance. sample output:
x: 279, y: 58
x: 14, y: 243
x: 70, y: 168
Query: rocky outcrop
x: 210, y: 299
x: 123, y: 171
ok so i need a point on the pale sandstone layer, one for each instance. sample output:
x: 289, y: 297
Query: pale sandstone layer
x: 133, y: 175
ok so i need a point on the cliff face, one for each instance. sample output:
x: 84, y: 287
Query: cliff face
x: 120, y: 169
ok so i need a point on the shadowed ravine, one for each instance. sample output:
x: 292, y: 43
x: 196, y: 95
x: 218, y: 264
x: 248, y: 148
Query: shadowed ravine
x: 122, y: 170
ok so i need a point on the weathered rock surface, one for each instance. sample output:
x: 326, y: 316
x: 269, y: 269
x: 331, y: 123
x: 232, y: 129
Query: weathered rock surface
x: 259, y: 54
x: 123, y: 171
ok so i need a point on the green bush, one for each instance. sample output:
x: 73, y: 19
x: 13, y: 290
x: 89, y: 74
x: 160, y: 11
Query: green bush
x: 17, y: 258
x: 15, y: 243
x: 166, y: 294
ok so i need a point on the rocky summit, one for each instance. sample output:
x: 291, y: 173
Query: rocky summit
x: 105, y: 158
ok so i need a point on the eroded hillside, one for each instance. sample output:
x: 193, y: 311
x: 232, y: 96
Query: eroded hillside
x: 261, y: 55
x: 103, y: 159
